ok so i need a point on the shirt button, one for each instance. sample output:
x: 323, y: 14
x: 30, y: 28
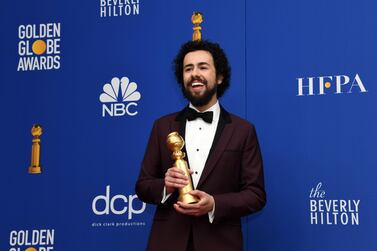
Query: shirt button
x: 200, y: 128
x: 196, y: 172
x: 197, y: 150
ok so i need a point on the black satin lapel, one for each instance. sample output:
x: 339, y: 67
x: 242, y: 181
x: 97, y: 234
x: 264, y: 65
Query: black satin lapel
x: 219, y: 142
x: 180, y: 125
x: 174, y: 126
x: 223, y: 120
x: 182, y: 128
x: 226, y: 135
x: 219, y: 129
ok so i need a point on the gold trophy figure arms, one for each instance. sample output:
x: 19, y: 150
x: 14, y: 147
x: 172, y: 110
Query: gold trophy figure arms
x: 35, y: 166
x: 197, y: 19
x: 175, y: 143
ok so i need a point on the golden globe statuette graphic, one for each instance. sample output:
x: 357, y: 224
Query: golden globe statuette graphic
x: 35, y: 166
x: 175, y: 143
x: 197, y: 19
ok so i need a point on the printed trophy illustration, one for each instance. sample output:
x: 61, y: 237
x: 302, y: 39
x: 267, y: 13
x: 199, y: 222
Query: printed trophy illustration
x: 175, y: 143
x: 35, y: 166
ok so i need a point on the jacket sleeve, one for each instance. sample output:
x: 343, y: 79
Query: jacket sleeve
x: 150, y: 184
x: 251, y: 196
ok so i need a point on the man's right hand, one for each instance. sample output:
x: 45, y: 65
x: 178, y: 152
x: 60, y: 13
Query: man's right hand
x: 175, y: 178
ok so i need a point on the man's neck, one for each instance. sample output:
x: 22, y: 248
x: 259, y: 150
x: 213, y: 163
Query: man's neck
x: 205, y: 107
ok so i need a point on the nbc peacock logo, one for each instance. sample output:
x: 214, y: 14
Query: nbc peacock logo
x: 119, y: 98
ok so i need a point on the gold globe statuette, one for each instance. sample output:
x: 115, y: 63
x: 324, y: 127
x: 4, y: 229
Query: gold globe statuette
x: 197, y: 19
x: 35, y: 166
x: 175, y: 143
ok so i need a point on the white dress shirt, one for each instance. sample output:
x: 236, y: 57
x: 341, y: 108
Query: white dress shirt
x: 199, y: 136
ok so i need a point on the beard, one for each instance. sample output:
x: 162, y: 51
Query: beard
x: 200, y: 100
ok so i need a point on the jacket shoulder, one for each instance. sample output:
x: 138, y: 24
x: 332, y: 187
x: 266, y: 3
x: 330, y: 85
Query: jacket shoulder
x: 167, y: 118
x: 241, y: 123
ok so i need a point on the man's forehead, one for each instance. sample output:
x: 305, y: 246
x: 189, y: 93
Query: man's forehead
x: 197, y: 57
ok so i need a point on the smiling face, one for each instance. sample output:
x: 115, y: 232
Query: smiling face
x: 200, y: 80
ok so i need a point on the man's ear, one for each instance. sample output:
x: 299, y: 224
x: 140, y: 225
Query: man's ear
x: 220, y: 79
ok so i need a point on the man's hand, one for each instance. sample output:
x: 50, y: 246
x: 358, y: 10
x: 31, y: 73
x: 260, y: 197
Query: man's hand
x: 175, y: 178
x: 205, y: 204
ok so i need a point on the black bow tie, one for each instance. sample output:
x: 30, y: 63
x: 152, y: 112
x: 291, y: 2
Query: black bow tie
x: 191, y: 114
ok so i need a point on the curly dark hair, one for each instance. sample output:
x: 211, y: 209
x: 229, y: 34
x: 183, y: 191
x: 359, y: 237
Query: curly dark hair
x: 220, y: 60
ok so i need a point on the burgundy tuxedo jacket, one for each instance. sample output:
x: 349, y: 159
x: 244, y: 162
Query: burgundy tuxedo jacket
x: 233, y: 175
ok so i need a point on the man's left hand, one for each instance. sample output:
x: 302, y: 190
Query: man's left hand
x: 205, y: 204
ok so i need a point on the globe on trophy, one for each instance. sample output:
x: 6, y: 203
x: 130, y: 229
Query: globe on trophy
x: 175, y: 143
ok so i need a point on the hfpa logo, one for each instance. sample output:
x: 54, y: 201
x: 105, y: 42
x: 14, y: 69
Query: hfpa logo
x: 322, y: 85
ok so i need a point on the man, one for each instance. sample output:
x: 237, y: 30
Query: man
x: 224, y: 158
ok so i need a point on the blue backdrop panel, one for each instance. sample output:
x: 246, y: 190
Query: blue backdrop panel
x: 311, y: 139
x: 318, y: 146
x: 91, y: 158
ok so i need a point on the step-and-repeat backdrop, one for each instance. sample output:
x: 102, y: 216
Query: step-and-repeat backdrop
x: 96, y: 74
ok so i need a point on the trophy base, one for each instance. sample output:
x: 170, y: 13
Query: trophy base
x: 35, y: 169
x: 188, y: 199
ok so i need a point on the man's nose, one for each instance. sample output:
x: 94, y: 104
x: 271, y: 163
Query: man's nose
x: 196, y: 72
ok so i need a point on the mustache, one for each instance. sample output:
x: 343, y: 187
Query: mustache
x: 198, y: 79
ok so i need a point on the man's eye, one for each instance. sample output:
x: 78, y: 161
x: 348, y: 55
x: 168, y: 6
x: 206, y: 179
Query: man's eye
x: 187, y: 69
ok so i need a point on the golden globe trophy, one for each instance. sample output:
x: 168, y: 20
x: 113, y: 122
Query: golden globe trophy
x: 35, y: 166
x: 175, y: 143
x: 197, y: 19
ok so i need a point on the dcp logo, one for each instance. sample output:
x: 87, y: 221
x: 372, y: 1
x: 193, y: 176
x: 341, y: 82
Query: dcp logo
x: 118, y: 204
x: 119, y: 98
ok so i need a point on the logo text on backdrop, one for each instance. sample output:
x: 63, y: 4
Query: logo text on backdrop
x: 332, y: 212
x: 39, y: 47
x: 109, y: 205
x: 119, y: 98
x: 338, y: 84
x: 116, y: 8
x: 32, y: 240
